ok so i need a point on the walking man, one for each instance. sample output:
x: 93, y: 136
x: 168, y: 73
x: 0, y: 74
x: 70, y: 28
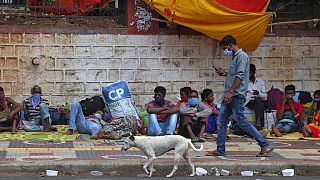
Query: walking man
x: 234, y: 98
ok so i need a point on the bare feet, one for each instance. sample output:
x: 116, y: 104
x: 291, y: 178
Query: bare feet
x: 112, y: 136
x: 306, y: 131
x: 69, y: 132
x: 49, y: 129
x: 99, y: 135
x: 276, y: 131
x: 14, y: 131
x: 53, y: 129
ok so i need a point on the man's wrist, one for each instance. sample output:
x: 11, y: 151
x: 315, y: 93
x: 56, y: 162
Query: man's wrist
x: 231, y: 91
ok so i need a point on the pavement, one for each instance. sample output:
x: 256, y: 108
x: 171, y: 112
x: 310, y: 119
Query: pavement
x: 85, y: 154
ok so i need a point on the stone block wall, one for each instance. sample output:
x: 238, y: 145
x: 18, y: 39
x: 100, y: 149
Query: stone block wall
x: 76, y: 66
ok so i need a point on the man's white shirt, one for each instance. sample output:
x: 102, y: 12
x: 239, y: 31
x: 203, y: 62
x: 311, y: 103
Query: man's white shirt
x: 257, y: 85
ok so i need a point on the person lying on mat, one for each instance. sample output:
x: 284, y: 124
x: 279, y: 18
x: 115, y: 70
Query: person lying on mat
x: 36, y: 112
x: 9, y: 110
x: 85, y: 116
x: 288, y: 113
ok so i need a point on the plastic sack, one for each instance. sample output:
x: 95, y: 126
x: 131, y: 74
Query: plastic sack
x: 118, y: 100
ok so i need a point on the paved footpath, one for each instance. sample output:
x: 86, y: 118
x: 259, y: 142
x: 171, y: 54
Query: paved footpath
x: 88, y: 154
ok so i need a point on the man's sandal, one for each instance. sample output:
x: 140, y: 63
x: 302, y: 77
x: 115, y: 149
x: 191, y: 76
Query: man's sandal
x: 215, y: 153
x: 265, y: 153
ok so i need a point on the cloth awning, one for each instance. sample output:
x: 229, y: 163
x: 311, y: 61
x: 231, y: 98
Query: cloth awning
x: 216, y: 20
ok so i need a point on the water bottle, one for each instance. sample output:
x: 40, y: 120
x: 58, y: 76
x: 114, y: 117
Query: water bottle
x: 67, y: 106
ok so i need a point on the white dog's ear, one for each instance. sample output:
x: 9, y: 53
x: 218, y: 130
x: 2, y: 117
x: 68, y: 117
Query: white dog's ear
x: 131, y: 137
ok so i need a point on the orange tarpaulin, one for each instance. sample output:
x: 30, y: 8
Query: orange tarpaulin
x: 245, y: 5
x: 215, y: 20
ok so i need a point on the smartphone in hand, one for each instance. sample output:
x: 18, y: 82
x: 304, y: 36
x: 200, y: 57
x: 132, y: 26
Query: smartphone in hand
x: 218, y: 70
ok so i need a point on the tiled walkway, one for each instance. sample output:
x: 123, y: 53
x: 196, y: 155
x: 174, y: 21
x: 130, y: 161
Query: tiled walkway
x: 239, y: 149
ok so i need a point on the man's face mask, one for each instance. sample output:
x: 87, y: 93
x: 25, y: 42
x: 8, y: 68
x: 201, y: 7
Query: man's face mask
x: 159, y: 99
x: 193, y: 101
x: 35, y: 99
x: 228, y: 52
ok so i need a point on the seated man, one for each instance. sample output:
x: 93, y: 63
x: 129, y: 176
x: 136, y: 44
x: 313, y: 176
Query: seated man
x: 255, y: 95
x: 194, y: 118
x: 9, y: 110
x: 36, y: 112
x: 288, y: 113
x: 162, y: 114
x: 85, y: 116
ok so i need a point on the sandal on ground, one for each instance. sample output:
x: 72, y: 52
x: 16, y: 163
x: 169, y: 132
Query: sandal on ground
x: 209, y: 136
x: 215, y: 153
x: 265, y: 153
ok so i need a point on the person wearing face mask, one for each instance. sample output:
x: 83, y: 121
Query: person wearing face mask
x: 85, y: 116
x: 194, y: 118
x: 9, y: 110
x: 236, y: 85
x: 162, y: 114
x: 36, y: 112
x: 313, y: 129
x: 228, y: 52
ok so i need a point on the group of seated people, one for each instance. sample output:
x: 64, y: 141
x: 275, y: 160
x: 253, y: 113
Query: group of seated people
x: 191, y: 117
x: 192, y: 113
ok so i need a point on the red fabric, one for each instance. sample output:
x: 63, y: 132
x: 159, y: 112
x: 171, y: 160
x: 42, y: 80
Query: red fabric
x: 315, y: 130
x: 66, y: 6
x: 245, y: 5
x: 161, y: 117
x: 297, y: 106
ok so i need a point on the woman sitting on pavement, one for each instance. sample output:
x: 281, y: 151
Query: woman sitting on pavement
x: 194, y: 118
x: 313, y: 129
x: 9, y: 110
x: 207, y: 98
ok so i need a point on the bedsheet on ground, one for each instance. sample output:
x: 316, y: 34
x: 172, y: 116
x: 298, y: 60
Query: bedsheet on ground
x: 44, y: 136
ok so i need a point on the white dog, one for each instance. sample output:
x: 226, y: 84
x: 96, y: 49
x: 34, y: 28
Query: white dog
x: 154, y: 146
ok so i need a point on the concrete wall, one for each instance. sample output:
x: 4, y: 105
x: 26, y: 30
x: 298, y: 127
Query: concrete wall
x: 74, y: 66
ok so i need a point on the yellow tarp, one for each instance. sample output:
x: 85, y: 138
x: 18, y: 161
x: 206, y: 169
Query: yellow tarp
x: 215, y: 20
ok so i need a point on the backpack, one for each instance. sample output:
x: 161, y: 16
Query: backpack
x: 273, y: 98
x: 92, y: 105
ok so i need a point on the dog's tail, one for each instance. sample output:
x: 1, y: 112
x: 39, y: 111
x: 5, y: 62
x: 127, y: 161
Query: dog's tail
x: 192, y: 146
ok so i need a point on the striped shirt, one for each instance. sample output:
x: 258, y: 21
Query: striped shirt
x: 33, y: 113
